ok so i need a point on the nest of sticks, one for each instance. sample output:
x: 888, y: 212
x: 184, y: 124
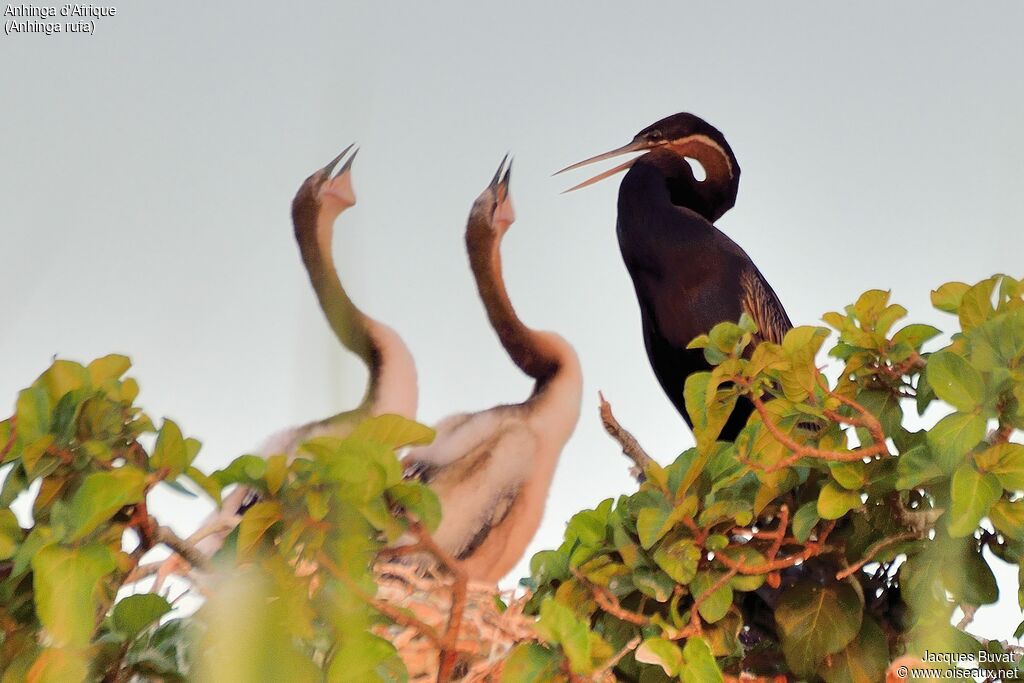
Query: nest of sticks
x: 491, y: 624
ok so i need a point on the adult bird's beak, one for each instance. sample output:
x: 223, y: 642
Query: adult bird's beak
x: 637, y: 145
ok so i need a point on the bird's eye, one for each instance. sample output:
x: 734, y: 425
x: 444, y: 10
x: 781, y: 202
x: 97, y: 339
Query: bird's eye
x: 654, y: 135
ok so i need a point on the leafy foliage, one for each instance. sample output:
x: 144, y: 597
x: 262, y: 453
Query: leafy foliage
x: 826, y: 541
x: 300, y: 561
x: 829, y: 538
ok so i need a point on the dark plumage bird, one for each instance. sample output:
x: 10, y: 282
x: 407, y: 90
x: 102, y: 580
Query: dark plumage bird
x: 688, y: 274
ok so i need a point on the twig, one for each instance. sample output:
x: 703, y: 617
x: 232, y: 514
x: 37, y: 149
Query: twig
x: 188, y: 552
x: 810, y: 550
x: 631, y: 448
x: 780, y: 532
x: 449, y: 645
x: 610, y: 604
x: 873, y: 550
x: 713, y: 588
x: 867, y: 420
x: 969, y: 612
x: 611, y: 663
x: 803, y: 450
x: 1002, y: 434
x: 143, y: 571
x: 398, y: 616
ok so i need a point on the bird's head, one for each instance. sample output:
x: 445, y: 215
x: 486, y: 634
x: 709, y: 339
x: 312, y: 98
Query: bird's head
x: 328, y: 191
x: 492, y: 213
x: 682, y: 135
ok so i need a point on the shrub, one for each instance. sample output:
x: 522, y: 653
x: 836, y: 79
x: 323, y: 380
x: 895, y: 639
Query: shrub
x: 829, y: 540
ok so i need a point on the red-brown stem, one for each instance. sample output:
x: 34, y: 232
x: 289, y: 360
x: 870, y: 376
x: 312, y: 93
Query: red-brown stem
x: 610, y: 604
x: 810, y: 550
x: 873, y: 550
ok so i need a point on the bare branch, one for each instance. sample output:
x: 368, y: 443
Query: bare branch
x: 188, y: 552
x: 874, y: 549
x: 631, y: 448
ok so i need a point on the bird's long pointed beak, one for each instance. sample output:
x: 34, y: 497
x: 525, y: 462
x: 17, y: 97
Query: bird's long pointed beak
x: 501, y: 169
x: 339, y: 182
x: 329, y: 168
x: 503, y: 212
x: 634, y: 146
x: 348, y: 163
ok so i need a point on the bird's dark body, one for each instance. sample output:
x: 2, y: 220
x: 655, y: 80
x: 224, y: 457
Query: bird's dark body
x: 688, y: 275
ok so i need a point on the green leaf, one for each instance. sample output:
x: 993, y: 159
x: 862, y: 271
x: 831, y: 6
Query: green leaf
x: 973, y: 493
x: 834, y: 501
x: 549, y: 565
x: 815, y: 621
x: 420, y: 501
x: 245, y: 469
x: 1006, y: 461
x: 966, y: 574
x: 750, y: 557
x: 14, y: 484
x: 870, y: 305
x: 393, y: 431
x: 11, y: 534
x: 998, y: 343
x: 651, y: 524
x: 100, y: 497
x: 954, y: 436
x: 363, y: 469
x: 804, y: 520
x: 955, y: 381
x: 59, y: 665
x: 708, y: 412
x: 1008, y: 518
x: 590, y: 526
x: 948, y: 297
x: 849, y: 475
x: 531, y: 662
x: 255, y: 523
x: 33, y: 412
x: 976, y: 304
x: 716, y: 604
x: 915, y: 335
x: 654, y: 583
x: 63, y: 377
x: 363, y: 656
x: 207, y: 484
x: 917, y: 467
x: 862, y: 661
x: 277, y: 472
x: 661, y: 652
x: 740, y: 511
x: 679, y: 560
x: 558, y: 624
x: 169, y: 451
x: 700, y: 665
x: 107, y: 368
x: 136, y: 613
x: 67, y: 583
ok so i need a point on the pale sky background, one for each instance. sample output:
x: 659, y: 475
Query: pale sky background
x: 146, y: 174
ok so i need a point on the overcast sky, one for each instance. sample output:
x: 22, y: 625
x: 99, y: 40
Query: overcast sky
x: 146, y: 174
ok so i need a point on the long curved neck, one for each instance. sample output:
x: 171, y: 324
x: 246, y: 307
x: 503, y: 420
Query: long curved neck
x: 392, y: 374
x: 719, y: 188
x: 538, y: 354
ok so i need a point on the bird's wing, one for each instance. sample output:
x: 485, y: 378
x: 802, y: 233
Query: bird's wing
x: 762, y: 304
x: 478, y: 490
